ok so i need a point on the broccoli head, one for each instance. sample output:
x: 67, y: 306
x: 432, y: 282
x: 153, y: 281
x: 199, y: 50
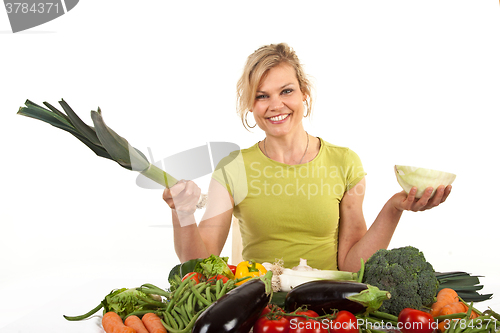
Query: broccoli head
x: 404, y: 273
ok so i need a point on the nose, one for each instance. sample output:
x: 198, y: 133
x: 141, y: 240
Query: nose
x: 275, y: 103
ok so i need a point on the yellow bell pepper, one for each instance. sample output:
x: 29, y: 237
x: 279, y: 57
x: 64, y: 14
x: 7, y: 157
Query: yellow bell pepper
x: 248, y: 268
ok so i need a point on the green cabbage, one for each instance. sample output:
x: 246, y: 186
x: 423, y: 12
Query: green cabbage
x: 409, y: 176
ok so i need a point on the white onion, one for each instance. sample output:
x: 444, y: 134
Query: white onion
x: 409, y: 176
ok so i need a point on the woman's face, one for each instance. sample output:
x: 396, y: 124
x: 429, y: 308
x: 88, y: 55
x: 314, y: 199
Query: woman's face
x: 278, y: 107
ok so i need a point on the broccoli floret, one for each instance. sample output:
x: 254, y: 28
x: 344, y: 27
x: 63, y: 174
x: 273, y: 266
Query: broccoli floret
x: 404, y: 273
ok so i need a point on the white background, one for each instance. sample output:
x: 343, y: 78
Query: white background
x: 398, y: 82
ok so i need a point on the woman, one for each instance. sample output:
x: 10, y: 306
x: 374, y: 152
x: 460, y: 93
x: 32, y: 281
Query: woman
x: 295, y: 195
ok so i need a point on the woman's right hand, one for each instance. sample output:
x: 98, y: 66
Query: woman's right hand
x: 182, y: 197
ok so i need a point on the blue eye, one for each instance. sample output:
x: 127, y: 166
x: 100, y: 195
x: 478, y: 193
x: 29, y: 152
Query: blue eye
x: 260, y: 97
x: 287, y: 91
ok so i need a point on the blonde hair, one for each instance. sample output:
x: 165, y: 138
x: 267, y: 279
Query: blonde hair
x: 257, y: 66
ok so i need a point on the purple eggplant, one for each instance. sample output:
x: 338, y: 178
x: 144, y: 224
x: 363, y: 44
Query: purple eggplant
x: 238, y: 310
x: 322, y: 296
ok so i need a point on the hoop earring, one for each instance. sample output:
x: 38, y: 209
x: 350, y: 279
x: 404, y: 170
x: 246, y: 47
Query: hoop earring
x: 306, y: 105
x: 246, y: 121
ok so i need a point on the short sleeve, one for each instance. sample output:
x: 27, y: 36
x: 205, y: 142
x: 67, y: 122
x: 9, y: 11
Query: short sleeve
x: 230, y: 172
x: 354, y: 169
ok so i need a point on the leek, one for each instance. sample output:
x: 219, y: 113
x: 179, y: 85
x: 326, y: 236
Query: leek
x: 290, y: 278
x: 101, y: 139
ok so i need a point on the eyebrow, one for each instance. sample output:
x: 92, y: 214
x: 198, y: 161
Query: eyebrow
x: 283, y: 86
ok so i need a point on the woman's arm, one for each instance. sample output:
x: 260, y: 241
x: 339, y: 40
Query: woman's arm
x: 356, y: 242
x: 192, y: 241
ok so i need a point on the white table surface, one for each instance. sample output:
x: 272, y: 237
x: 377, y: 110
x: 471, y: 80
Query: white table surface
x: 48, y: 317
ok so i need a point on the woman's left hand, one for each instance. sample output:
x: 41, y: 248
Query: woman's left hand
x: 402, y: 201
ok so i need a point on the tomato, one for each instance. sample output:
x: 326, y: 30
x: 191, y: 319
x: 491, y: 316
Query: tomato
x: 219, y: 277
x: 232, y: 268
x: 345, y: 322
x: 266, y: 310
x: 266, y: 325
x: 416, y: 321
x: 309, y: 313
x: 197, y: 277
x: 307, y: 326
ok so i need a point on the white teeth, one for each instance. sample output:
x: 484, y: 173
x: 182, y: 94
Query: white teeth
x: 278, y: 118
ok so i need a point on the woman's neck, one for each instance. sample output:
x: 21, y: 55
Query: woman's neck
x: 297, y: 149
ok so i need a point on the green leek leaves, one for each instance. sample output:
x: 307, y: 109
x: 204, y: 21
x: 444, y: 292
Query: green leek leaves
x: 101, y: 139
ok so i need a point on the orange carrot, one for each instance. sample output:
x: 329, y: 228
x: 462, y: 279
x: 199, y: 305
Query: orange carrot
x: 443, y: 325
x: 444, y: 297
x: 135, y: 323
x: 153, y: 323
x: 457, y: 307
x: 113, y: 323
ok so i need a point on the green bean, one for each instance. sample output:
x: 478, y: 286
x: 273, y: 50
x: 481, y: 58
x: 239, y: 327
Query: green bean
x: 180, y: 323
x: 152, y: 286
x: 155, y: 292
x: 86, y: 315
x: 170, y: 319
x: 186, y: 316
x: 181, y: 310
x: 242, y: 279
x: 201, y: 286
x: 184, y: 296
x: 199, y: 303
x: 195, y: 300
x: 450, y: 316
x: 218, y: 286
x: 383, y: 315
x: 189, y: 305
x: 461, y: 325
x: 200, y: 297
x: 209, y: 295
x: 184, y: 285
x: 223, y: 290
x: 186, y: 329
x: 151, y: 289
x: 189, y: 312
x: 453, y: 325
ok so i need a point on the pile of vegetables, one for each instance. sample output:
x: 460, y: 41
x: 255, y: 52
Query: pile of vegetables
x: 209, y: 295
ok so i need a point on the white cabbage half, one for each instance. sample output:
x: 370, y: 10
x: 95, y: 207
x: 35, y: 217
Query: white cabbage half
x: 409, y: 176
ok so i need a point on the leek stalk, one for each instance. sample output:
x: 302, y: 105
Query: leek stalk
x: 101, y: 139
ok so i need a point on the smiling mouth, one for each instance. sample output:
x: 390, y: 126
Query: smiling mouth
x: 279, y: 118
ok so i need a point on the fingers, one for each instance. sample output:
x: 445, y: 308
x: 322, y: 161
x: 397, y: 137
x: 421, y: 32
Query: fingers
x: 411, y: 195
x: 447, y: 192
x: 427, y: 202
x: 183, y: 196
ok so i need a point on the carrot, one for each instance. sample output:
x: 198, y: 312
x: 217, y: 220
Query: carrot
x: 444, y: 297
x: 457, y: 307
x: 135, y: 323
x: 113, y: 323
x: 153, y: 323
x: 442, y: 326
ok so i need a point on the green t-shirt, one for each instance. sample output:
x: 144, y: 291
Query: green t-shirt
x: 290, y: 211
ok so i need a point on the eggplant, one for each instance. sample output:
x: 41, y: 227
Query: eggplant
x: 238, y: 310
x: 322, y: 296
